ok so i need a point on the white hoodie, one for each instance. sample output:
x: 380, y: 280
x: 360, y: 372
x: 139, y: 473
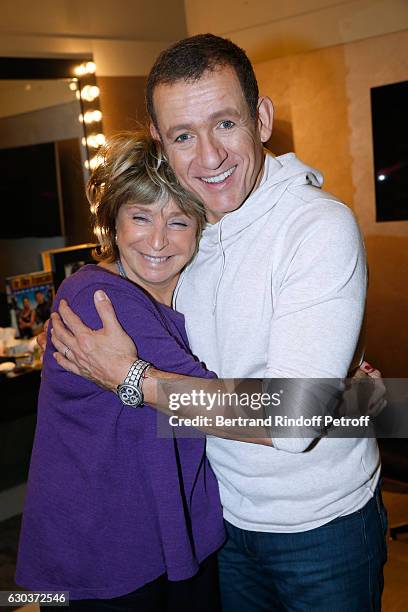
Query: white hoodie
x: 278, y: 290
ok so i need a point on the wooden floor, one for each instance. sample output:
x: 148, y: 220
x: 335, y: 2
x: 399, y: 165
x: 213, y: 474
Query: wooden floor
x: 395, y: 597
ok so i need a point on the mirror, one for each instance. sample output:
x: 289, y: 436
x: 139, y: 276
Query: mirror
x: 42, y: 155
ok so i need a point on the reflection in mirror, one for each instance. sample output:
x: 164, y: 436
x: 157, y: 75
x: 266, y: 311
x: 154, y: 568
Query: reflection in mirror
x: 42, y: 158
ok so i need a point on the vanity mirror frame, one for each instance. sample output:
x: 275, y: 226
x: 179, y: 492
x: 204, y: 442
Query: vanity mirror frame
x: 18, y: 68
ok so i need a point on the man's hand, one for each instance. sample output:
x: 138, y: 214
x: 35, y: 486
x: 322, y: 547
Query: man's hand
x: 103, y: 356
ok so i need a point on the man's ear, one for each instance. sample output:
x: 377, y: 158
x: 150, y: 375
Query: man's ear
x: 265, y: 118
x: 154, y: 132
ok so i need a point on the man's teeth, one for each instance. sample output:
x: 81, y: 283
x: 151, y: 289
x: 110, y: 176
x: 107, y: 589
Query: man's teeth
x: 220, y: 177
x: 155, y: 259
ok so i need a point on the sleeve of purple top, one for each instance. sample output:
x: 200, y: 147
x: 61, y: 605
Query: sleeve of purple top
x: 154, y: 335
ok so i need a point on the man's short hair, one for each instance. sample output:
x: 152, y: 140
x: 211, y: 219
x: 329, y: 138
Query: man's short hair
x: 188, y: 59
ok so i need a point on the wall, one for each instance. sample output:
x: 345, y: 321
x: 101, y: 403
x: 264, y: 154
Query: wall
x: 122, y: 102
x: 43, y: 125
x: 144, y: 20
x: 23, y: 96
x: 271, y: 28
x: 324, y: 96
x: 123, y: 37
x: 124, y: 41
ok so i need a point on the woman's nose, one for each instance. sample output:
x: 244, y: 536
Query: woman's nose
x: 158, y: 237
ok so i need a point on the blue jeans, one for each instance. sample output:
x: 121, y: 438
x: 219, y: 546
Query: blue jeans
x: 334, y: 568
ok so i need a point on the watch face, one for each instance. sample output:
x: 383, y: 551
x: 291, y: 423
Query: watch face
x: 130, y: 395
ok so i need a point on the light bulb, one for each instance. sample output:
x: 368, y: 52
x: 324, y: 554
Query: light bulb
x: 90, y: 92
x: 92, y: 116
x: 80, y: 70
x: 95, y: 161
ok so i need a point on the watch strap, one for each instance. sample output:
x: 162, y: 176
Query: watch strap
x: 135, y: 373
x: 129, y: 391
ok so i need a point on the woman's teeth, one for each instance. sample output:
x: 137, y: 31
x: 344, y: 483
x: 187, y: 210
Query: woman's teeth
x: 219, y: 178
x: 155, y: 259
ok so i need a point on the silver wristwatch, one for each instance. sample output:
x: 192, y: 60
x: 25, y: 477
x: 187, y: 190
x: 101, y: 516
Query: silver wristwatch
x: 130, y: 392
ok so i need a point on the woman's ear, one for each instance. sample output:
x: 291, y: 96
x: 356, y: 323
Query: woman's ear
x: 154, y: 132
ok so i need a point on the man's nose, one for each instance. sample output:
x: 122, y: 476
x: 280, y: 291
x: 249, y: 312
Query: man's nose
x: 212, y: 152
x: 158, y: 237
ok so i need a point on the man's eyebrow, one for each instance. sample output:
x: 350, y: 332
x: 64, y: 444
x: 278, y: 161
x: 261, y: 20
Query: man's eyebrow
x: 223, y: 113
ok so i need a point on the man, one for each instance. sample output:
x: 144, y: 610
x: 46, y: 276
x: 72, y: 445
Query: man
x: 276, y: 290
x: 43, y: 308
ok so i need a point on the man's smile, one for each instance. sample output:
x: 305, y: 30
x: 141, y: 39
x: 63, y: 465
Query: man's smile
x: 219, y: 178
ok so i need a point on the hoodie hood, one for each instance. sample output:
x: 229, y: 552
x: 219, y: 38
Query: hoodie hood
x: 279, y: 173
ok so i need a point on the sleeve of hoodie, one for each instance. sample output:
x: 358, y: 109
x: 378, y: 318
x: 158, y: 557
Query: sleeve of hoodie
x: 318, y: 291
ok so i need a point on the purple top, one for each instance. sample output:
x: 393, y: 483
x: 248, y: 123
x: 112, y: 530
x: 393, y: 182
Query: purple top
x: 109, y: 505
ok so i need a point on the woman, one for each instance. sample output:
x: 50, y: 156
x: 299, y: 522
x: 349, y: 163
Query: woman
x: 26, y: 319
x: 115, y: 515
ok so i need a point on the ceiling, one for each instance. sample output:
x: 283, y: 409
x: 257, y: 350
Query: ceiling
x: 143, y: 20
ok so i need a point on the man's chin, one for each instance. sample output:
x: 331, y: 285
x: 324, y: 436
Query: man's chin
x: 215, y: 214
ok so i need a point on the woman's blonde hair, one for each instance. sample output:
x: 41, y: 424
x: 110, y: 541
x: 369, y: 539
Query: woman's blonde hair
x: 133, y: 169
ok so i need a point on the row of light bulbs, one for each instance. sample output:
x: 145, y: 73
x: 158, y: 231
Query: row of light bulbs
x: 94, y: 140
x: 91, y: 116
x: 85, y: 68
x: 94, y: 162
x: 89, y: 93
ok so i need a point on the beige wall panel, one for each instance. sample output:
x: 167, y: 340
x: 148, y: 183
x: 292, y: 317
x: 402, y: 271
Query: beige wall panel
x: 122, y: 103
x: 309, y: 90
x: 112, y: 57
x: 122, y: 19
x: 126, y: 58
x: 274, y: 79
x: 44, y: 46
x: 371, y: 63
x: 325, y: 94
x: 267, y: 29
x: 387, y: 304
x: 237, y: 14
x: 124, y: 36
x: 319, y: 111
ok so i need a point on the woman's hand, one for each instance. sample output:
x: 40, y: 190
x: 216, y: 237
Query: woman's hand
x: 376, y: 400
x: 103, y: 356
x: 42, y: 337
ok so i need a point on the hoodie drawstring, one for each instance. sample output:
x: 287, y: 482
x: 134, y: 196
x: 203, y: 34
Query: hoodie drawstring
x: 222, y: 265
